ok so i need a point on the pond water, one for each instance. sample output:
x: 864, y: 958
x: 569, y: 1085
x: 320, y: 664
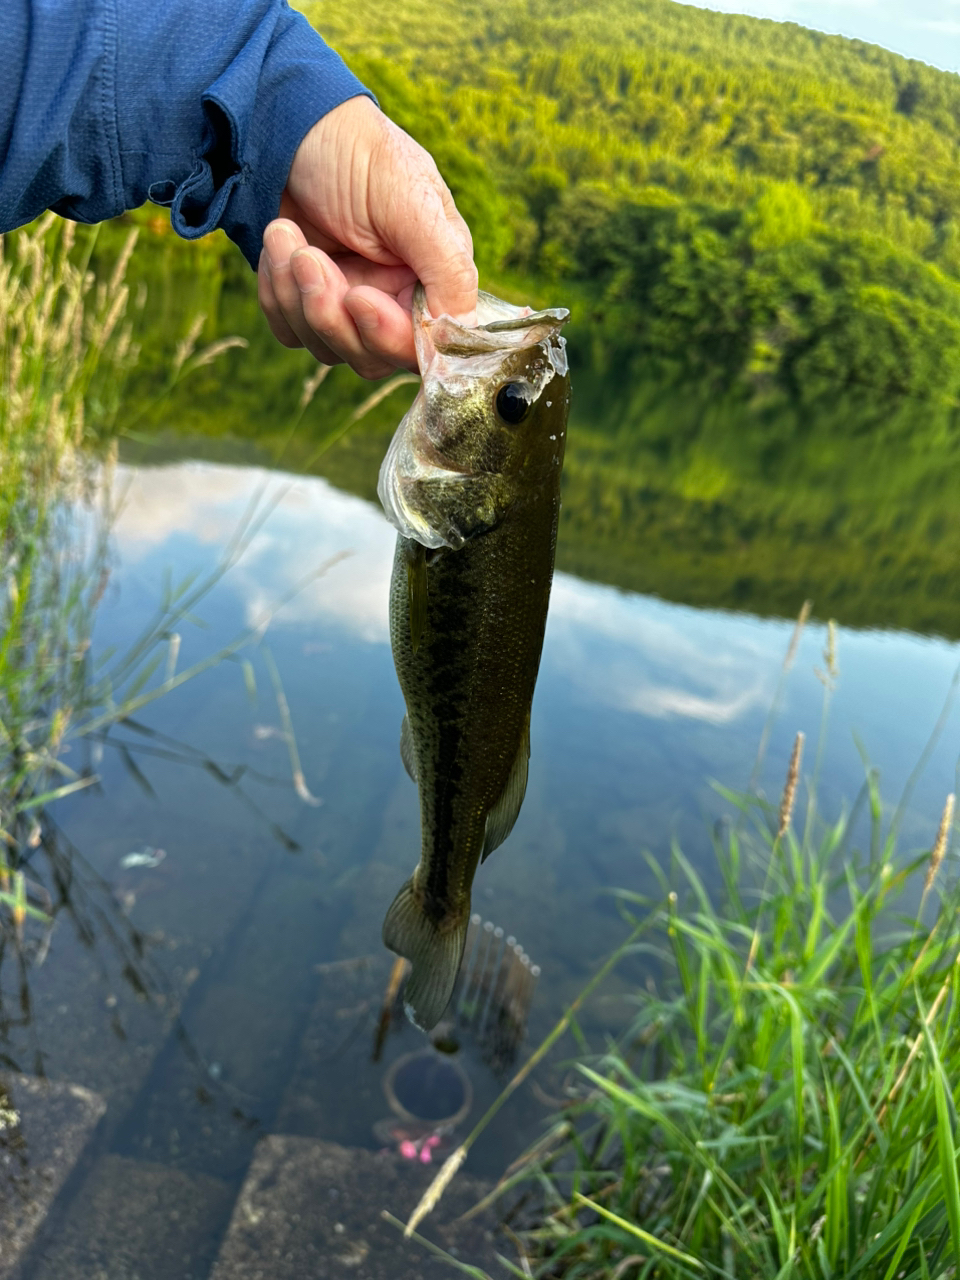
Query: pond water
x: 232, y: 989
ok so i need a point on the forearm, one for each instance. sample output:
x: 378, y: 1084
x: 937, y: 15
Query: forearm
x: 200, y: 106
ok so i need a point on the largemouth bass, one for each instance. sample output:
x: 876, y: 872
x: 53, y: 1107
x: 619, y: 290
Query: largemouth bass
x: 472, y: 483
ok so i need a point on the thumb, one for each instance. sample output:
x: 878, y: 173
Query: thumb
x: 431, y: 237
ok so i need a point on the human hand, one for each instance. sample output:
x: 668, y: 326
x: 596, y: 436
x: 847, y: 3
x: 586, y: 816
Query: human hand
x: 364, y: 216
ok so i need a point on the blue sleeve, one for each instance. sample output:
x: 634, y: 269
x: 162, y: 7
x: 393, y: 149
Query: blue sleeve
x: 195, y: 104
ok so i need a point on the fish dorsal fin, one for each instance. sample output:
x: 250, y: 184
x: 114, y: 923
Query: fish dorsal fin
x: 407, y: 753
x: 416, y: 556
x: 504, y: 813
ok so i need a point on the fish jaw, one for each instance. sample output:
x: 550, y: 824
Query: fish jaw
x: 404, y: 468
x: 432, y: 483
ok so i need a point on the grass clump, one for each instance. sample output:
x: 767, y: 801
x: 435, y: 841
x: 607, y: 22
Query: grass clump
x: 65, y: 350
x: 784, y: 1102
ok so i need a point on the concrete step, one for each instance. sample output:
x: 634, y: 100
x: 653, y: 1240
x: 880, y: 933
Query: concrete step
x: 311, y: 1210
x: 244, y: 1023
x: 133, y: 1220
x: 44, y: 1127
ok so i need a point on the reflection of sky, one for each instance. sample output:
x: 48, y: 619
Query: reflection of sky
x: 619, y: 650
x: 688, y: 689
x: 312, y: 522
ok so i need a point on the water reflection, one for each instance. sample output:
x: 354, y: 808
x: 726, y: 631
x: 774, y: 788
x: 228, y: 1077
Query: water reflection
x: 663, y: 662
x: 663, y: 679
x: 243, y: 1018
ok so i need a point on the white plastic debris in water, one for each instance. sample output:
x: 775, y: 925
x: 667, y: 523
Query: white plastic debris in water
x: 146, y: 857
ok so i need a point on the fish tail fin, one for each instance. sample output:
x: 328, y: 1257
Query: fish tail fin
x: 434, y: 952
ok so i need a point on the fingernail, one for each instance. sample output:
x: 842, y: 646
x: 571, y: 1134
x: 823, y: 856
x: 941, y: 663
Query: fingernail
x: 364, y: 313
x: 279, y: 242
x: 308, y: 272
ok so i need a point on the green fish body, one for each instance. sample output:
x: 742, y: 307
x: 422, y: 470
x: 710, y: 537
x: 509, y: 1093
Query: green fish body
x: 472, y: 481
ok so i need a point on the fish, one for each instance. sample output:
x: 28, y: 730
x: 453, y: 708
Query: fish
x: 471, y: 482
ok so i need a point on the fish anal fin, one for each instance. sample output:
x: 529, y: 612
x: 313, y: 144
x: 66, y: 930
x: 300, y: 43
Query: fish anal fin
x: 434, y: 951
x: 504, y: 813
x: 407, y: 753
x: 416, y: 556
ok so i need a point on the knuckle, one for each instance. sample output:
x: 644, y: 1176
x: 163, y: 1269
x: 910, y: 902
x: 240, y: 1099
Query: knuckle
x: 286, y: 337
x: 470, y: 275
x: 371, y: 372
x: 323, y: 355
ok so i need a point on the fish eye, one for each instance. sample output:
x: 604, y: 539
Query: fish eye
x: 514, y: 401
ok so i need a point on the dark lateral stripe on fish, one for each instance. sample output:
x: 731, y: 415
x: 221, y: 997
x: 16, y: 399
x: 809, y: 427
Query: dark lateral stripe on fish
x: 478, y: 486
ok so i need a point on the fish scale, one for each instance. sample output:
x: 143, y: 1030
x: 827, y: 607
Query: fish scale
x: 467, y: 656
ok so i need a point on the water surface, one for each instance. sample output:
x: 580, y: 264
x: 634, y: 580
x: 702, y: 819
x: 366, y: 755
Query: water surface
x: 640, y: 704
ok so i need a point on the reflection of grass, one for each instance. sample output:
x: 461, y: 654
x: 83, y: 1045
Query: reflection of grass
x: 66, y: 350
x: 784, y: 1101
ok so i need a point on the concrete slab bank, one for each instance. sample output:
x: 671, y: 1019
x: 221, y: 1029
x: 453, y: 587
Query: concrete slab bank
x: 44, y: 1130
x: 310, y: 1210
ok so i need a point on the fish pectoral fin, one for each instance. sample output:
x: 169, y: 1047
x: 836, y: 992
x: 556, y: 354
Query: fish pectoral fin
x: 504, y: 813
x: 434, y: 952
x: 407, y: 753
x: 416, y: 556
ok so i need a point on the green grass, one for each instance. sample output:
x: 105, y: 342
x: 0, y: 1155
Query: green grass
x: 66, y: 351
x: 789, y: 1115
x: 783, y: 1102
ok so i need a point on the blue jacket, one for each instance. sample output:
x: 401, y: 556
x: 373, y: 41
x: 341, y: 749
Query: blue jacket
x: 195, y: 104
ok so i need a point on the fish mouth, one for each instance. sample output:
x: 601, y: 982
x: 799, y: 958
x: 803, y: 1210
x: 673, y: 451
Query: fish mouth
x: 411, y: 464
x: 500, y: 327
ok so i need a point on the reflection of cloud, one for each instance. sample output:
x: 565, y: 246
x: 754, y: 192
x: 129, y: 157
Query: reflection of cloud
x: 195, y: 498
x: 624, y: 651
x: 641, y: 655
x: 172, y: 507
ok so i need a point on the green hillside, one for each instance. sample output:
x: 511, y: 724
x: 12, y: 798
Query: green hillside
x: 707, y: 194
x: 720, y: 192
